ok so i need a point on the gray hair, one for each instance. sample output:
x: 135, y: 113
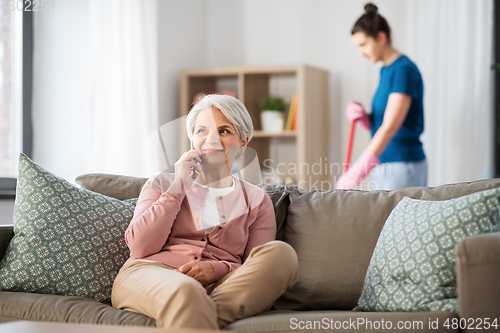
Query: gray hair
x: 231, y: 107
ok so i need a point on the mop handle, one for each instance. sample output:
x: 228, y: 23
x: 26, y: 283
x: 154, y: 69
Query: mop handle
x: 349, y: 146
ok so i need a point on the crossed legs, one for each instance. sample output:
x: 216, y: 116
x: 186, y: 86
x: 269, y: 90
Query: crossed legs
x: 178, y: 301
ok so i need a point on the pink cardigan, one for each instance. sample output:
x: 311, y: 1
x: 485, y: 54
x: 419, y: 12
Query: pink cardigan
x: 169, y: 227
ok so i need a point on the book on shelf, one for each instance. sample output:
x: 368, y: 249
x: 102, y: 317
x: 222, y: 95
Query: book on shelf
x: 295, y: 116
x: 292, y: 114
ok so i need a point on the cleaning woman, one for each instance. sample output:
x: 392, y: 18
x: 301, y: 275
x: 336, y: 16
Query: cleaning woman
x: 396, y: 122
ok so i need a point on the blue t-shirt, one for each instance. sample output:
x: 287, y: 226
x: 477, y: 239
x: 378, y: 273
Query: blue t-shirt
x: 402, y: 76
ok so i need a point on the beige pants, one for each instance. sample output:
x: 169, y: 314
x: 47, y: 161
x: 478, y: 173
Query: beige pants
x: 179, y: 301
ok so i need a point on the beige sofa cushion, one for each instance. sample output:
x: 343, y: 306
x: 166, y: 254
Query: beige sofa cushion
x: 116, y: 186
x: 478, y: 269
x: 334, y: 234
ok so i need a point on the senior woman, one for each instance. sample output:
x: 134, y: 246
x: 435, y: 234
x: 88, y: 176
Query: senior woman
x: 202, y: 242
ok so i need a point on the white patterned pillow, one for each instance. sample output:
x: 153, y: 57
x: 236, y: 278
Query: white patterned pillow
x: 67, y: 240
x: 413, y: 265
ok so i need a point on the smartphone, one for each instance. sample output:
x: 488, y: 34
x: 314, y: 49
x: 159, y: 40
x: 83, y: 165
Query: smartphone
x: 194, y: 175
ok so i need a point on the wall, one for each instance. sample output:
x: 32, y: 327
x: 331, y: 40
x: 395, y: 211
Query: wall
x: 6, y: 211
x: 182, y: 43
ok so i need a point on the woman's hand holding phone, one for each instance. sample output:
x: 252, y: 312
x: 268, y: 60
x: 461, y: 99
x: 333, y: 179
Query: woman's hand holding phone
x: 188, y: 167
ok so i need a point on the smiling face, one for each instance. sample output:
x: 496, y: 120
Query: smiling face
x: 369, y: 47
x: 213, y: 135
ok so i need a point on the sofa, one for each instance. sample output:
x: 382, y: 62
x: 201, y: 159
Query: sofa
x: 334, y: 234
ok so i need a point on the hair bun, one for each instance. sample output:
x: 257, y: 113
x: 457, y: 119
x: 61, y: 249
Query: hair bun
x: 370, y: 8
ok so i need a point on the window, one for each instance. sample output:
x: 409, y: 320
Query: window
x: 15, y: 93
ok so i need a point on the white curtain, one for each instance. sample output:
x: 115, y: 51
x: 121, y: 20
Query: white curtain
x: 122, y: 92
x: 451, y: 42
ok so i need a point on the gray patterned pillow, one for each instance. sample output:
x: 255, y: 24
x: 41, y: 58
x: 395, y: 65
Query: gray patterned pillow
x: 67, y: 241
x: 413, y: 264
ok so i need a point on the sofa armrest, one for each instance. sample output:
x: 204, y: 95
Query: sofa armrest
x: 478, y: 272
x: 6, y: 234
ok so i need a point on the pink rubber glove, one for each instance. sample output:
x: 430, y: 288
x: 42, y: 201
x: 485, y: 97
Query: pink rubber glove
x: 355, y: 111
x: 365, y: 163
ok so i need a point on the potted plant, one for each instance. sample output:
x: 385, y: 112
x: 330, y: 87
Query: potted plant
x: 272, y: 113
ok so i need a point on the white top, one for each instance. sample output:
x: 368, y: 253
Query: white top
x: 210, y: 213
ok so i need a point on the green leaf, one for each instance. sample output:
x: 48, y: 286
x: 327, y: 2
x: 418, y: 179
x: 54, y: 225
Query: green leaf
x: 273, y: 103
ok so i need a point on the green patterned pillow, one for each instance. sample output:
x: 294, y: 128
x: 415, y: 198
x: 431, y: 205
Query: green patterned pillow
x: 413, y: 265
x: 67, y: 240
